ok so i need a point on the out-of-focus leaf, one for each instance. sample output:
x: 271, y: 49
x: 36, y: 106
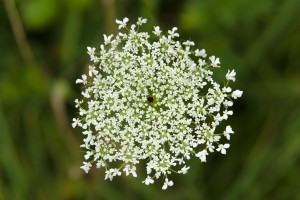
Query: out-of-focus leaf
x: 13, y: 174
x: 38, y: 15
x: 78, y: 4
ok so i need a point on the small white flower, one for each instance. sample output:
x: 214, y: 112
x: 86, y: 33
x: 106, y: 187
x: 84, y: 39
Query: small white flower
x: 107, y: 39
x: 76, y: 122
x: 91, y: 50
x: 210, y: 101
x: 167, y: 183
x: 92, y: 70
x: 172, y: 33
x: 133, y: 27
x: 227, y: 89
x: 127, y: 170
x: 86, y: 166
x: 202, y: 62
x: 228, y: 103
x: 122, y: 24
x: 223, y: 148
x: 130, y: 170
x: 100, y: 163
x: 210, y: 147
x: 184, y: 170
x: 148, y: 180
x: 157, y: 30
x: 86, y: 94
x: 88, y: 155
x: 141, y: 21
x: 201, y: 53
x: 83, y: 80
x: 188, y: 43
x: 214, y: 61
x: 227, y: 132
x: 109, y: 174
x: 202, y: 155
x: 226, y: 113
x: 236, y: 94
x: 230, y: 75
x: 77, y: 104
x: 94, y: 58
x: 116, y: 172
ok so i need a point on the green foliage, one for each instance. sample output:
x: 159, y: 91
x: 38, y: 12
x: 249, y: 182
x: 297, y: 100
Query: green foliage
x: 39, y: 152
x: 39, y: 14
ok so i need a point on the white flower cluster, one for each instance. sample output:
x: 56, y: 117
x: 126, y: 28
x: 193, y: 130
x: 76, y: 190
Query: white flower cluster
x: 152, y: 100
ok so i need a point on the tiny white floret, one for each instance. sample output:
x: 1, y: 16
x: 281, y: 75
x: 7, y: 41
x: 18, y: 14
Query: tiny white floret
x: 230, y: 75
x: 200, y: 53
x: 214, y: 61
x: 236, y: 94
x: 148, y: 180
x: 227, y: 132
x: 86, y: 166
x: 122, y: 24
x: 167, y: 183
x: 222, y: 148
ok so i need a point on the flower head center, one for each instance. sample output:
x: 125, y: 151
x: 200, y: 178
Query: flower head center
x: 150, y: 99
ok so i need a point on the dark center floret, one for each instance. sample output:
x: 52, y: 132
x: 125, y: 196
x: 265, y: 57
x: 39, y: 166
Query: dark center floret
x: 150, y: 99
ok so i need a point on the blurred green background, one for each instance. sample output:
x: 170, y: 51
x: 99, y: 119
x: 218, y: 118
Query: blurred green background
x: 43, y: 51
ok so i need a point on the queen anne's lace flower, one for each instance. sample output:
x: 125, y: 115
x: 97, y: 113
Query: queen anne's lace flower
x: 152, y: 100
